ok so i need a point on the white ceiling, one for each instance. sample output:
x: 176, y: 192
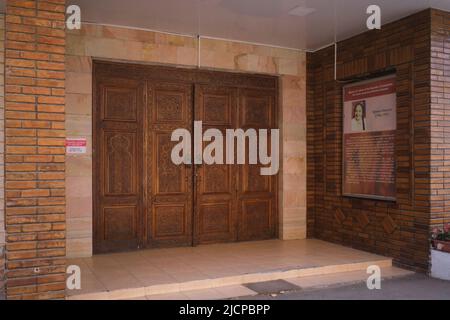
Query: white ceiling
x: 256, y: 21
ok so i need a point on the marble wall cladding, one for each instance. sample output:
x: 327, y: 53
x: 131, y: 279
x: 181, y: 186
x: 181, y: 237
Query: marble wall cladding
x: 139, y: 46
x: 293, y: 182
x: 132, y: 45
x: 236, y: 56
x: 79, y: 167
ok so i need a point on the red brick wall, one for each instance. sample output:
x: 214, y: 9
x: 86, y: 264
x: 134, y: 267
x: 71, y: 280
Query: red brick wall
x: 2, y: 150
x: 401, y: 229
x: 440, y: 118
x: 2, y: 272
x: 34, y: 156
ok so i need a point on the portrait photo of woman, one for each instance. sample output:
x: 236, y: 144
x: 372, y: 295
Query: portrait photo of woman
x: 359, y: 116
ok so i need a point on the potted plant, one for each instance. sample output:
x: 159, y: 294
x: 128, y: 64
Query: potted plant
x: 441, y: 238
x: 440, y: 253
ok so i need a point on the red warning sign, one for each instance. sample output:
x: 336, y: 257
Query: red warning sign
x: 76, y: 146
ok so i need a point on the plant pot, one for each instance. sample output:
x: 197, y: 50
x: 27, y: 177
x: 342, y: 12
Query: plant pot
x: 441, y: 245
x: 440, y: 264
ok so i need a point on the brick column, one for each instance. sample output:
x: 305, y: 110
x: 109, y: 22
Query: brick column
x: 34, y: 154
x: 440, y: 118
x: 2, y: 151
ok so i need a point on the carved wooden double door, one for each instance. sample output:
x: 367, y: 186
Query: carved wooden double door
x: 141, y: 198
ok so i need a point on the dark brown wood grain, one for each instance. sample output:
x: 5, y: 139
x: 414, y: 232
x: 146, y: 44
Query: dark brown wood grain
x: 169, y: 204
x: 216, y: 190
x: 257, y: 194
x: 119, y: 159
x: 143, y: 200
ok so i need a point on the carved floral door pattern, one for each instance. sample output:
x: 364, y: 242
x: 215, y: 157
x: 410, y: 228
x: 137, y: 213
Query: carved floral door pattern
x: 170, y: 197
x: 118, y: 165
x: 142, y: 199
x: 216, y: 185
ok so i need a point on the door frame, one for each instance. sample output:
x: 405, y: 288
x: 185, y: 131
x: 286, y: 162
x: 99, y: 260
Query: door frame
x: 146, y: 72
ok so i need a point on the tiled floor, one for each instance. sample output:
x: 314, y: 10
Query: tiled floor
x: 105, y: 273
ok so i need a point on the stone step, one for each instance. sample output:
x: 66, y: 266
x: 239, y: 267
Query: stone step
x: 301, y: 283
x: 345, y: 278
x: 239, y: 279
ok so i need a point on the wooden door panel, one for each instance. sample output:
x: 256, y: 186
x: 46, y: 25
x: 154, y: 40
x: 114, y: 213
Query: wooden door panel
x: 118, y: 163
x: 217, y: 107
x: 253, y: 182
x: 256, y: 111
x: 216, y: 180
x: 256, y: 219
x: 168, y: 178
x: 215, y: 203
x: 171, y: 221
x: 120, y: 223
x: 113, y: 107
x: 170, y: 105
x: 141, y: 199
x: 257, y: 194
x: 170, y: 194
x: 215, y: 219
x: 215, y: 195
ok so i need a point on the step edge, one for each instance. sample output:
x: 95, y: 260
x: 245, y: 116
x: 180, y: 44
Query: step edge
x: 129, y: 293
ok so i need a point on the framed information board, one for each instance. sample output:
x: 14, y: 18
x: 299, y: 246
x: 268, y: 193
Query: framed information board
x: 370, y: 124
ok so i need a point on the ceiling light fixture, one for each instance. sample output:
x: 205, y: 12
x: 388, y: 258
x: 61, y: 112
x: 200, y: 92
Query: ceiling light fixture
x: 300, y: 11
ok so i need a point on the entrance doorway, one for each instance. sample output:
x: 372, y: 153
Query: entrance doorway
x: 141, y: 198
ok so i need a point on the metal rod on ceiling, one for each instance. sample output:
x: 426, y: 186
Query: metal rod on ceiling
x: 335, y: 40
x: 199, y: 58
x: 335, y: 61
